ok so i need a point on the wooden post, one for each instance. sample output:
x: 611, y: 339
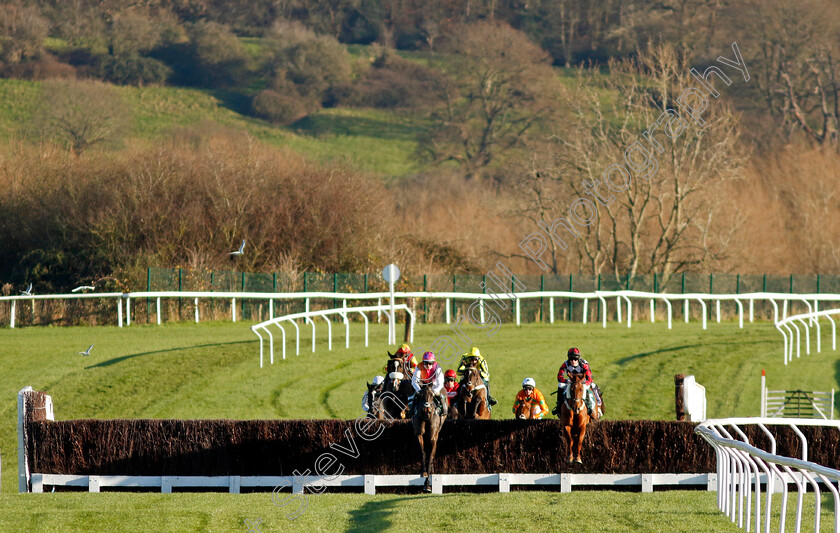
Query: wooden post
x: 407, y: 328
x: 678, y: 396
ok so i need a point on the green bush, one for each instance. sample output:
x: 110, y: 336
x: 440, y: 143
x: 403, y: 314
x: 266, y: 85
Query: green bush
x: 131, y: 69
x: 279, y: 108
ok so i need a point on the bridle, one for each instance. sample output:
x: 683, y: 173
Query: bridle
x: 579, y: 403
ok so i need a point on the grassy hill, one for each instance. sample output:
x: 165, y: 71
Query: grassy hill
x: 380, y: 141
x: 211, y: 370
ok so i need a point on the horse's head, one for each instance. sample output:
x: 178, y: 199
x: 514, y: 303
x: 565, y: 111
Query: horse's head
x: 577, y: 391
x: 427, y: 401
x: 469, y: 383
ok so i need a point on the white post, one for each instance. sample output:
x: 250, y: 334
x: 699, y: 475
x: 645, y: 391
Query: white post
x: 392, y: 322
x: 233, y: 308
x: 481, y: 310
x: 652, y: 310
x: 271, y: 309
x: 551, y: 310
x: 12, y: 317
x: 517, y: 313
x: 128, y: 311
x: 378, y: 311
x: 717, y: 310
x: 119, y: 311
x: 447, y: 310
x: 23, y: 465
x: 685, y: 310
x: 157, y: 304
x: 196, y: 310
x: 752, y: 308
x: 585, y: 309
x: 763, y: 410
x: 618, y: 308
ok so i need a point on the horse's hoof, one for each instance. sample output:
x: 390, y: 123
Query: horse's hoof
x: 571, y: 460
x: 424, y: 474
x: 427, y: 488
x: 578, y: 461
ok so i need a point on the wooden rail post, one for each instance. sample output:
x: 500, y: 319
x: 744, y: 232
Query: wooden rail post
x: 678, y: 396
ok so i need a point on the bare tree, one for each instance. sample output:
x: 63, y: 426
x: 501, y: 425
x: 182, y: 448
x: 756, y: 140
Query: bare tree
x: 503, y: 87
x: 663, y: 218
x: 81, y: 114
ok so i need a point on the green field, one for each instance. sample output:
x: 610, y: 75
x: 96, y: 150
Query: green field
x: 211, y: 371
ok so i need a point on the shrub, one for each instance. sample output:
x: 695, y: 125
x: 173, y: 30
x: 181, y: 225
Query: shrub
x: 212, y: 57
x: 394, y: 82
x: 131, y: 69
x: 279, y: 108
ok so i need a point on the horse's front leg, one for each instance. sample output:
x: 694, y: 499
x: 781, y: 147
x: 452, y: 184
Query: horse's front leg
x: 568, y: 431
x: 422, y: 455
x: 579, y: 443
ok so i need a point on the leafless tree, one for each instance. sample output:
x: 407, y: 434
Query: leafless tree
x: 503, y: 87
x: 666, y: 218
x: 81, y: 114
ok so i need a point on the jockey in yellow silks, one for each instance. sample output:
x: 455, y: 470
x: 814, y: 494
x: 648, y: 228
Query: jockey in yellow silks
x: 474, y: 358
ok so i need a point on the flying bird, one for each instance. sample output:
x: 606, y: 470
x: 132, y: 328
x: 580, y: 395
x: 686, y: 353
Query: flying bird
x: 83, y: 287
x: 241, y: 249
x: 86, y: 352
x: 28, y: 290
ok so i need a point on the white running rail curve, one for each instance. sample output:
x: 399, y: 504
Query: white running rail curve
x: 742, y: 467
x: 307, y: 316
x: 788, y: 325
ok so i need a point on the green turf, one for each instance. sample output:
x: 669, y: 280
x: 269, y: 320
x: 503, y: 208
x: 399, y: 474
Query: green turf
x: 210, y: 370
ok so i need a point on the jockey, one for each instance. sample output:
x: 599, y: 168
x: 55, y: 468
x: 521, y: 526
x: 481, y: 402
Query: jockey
x: 532, y: 396
x: 404, y: 354
x: 377, y: 381
x: 575, y: 364
x: 474, y: 358
x: 450, y: 384
x: 430, y: 373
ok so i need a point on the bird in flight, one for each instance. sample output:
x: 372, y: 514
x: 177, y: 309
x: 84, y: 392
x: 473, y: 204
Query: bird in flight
x: 28, y: 290
x: 241, y: 249
x: 83, y: 287
x: 86, y: 352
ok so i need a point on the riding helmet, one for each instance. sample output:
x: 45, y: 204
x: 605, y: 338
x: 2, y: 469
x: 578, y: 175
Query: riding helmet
x: 529, y: 382
x: 574, y: 353
x: 428, y: 356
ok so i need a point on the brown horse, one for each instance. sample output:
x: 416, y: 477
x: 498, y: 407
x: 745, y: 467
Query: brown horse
x: 472, y: 396
x: 574, y: 415
x: 398, y: 382
x: 525, y: 411
x: 427, y: 423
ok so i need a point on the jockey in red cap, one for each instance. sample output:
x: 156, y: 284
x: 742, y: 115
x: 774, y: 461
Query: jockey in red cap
x: 575, y: 364
x: 450, y: 384
x: 430, y: 373
x: 404, y: 354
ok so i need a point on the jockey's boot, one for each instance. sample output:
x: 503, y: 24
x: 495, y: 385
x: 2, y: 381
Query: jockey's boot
x: 492, y: 401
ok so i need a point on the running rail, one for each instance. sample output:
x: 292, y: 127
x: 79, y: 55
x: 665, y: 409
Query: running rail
x: 741, y: 467
x: 788, y: 325
x: 307, y: 316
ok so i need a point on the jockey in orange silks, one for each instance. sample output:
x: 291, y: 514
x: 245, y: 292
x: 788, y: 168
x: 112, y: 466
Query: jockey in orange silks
x: 430, y: 373
x: 531, y: 396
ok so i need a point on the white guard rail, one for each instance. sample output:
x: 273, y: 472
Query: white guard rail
x: 624, y: 301
x: 788, y: 325
x: 742, y: 467
x: 344, y: 312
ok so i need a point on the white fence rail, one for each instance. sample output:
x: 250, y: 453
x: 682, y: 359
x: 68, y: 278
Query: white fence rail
x: 369, y: 482
x: 787, y: 327
x: 741, y: 467
x: 623, y: 301
x: 307, y: 316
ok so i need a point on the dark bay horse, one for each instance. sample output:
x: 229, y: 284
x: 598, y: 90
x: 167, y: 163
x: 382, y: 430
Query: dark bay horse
x: 427, y: 423
x: 574, y: 416
x: 398, y: 382
x: 472, y: 396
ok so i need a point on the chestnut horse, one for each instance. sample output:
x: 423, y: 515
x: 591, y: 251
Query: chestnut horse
x: 574, y: 416
x: 427, y: 423
x: 472, y: 396
x: 525, y: 411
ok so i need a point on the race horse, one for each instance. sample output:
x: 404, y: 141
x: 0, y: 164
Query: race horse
x: 525, y: 411
x: 427, y: 422
x: 375, y: 407
x: 574, y: 415
x: 472, y: 396
x: 398, y: 382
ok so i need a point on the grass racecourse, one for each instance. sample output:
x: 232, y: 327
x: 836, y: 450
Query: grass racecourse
x: 211, y: 370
